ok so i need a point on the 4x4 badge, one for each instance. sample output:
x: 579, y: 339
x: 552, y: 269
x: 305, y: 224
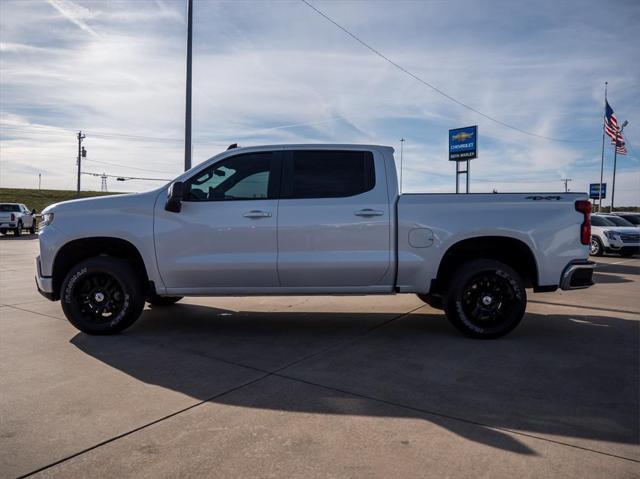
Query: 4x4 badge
x: 548, y: 198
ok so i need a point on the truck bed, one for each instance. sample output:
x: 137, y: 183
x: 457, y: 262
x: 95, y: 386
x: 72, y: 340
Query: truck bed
x: 429, y: 224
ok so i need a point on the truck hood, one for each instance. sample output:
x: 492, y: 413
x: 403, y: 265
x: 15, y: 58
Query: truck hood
x: 616, y: 229
x: 90, y: 205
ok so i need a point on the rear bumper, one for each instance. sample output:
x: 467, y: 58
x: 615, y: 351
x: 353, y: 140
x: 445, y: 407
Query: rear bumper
x: 577, y: 275
x: 44, y: 284
x: 7, y: 224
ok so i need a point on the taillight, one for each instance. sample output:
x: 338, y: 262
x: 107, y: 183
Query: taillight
x: 13, y: 217
x: 584, y: 207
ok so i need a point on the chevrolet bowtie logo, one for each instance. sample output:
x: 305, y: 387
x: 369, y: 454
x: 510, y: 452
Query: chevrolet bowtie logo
x: 463, y: 135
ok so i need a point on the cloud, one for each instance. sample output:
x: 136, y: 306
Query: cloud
x: 75, y: 13
x: 278, y: 73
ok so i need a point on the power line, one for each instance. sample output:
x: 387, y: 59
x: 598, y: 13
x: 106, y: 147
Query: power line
x: 123, y: 178
x: 434, y: 88
x: 129, y: 167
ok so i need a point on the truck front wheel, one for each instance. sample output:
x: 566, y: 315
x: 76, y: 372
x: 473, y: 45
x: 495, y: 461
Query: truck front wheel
x: 102, y: 295
x: 486, y: 299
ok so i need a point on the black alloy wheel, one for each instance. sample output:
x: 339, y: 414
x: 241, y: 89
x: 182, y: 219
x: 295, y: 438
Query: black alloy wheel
x: 102, y: 295
x: 486, y: 299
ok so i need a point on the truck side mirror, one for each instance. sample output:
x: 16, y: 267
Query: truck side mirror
x: 33, y: 211
x: 174, y: 197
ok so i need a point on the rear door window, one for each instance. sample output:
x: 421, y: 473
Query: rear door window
x: 328, y: 173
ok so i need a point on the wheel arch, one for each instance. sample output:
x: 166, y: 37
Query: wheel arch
x: 506, y: 249
x: 77, y: 250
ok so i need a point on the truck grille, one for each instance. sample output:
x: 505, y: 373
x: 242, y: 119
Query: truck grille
x: 630, y: 238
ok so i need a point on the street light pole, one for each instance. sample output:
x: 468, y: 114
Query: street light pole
x: 187, y: 122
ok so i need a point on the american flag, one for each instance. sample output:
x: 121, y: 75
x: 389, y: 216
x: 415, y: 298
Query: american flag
x: 613, y: 130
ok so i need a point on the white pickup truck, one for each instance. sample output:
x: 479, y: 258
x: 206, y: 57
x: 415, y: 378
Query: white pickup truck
x: 15, y: 217
x: 310, y: 219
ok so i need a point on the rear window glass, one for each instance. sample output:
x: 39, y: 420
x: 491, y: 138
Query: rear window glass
x: 329, y: 174
x: 9, y: 208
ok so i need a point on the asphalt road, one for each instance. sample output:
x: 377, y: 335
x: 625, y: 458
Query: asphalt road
x: 321, y: 387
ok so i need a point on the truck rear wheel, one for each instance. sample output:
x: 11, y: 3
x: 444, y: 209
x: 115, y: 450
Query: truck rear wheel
x: 102, y: 295
x: 486, y: 299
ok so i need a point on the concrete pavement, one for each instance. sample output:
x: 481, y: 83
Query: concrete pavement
x: 321, y: 387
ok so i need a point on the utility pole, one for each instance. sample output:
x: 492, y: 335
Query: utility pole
x: 401, y: 154
x: 81, y: 153
x: 187, y: 120
x: 103, y: 185
x: 565, y: 181
x: 39, y: 181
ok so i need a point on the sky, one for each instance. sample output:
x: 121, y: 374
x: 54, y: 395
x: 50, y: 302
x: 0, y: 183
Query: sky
x: 278, y: 72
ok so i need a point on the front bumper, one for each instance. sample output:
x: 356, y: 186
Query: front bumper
x: 44, y: 283
x: 577, y: 275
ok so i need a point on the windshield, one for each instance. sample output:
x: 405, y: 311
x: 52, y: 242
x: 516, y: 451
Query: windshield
x: 601, y: 221
x: 9, y: 208
x: 616, y: 220
x: 633, y: 219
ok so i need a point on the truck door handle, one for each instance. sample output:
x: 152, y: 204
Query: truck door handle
x: 257, y: 214
x: 369, y: 212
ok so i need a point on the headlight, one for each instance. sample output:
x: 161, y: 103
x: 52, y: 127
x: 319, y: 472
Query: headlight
x: 46, y: 219
x: 612, y: 235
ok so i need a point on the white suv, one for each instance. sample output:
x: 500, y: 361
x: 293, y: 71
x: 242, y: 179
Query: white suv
x: 608, y: 237
x: 16, y: 217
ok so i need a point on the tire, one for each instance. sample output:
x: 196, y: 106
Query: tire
x: 32, y: 230
x: 18, y: 230
x: 102, y: 295
x: 3, y: 231
x: 432, y: 300
x: 486, y: 299
x: 157, y: 300
x: 595, y: 247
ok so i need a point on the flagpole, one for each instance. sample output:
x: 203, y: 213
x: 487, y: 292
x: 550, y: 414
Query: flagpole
x: 613, y: 182
x: 602, y: 157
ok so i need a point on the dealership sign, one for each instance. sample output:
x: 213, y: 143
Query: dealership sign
x: 463, y: 143
x: 594, y: 190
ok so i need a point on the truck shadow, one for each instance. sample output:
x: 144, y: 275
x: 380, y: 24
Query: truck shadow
x: 558, y: 375
x: 618, y: 268
x: 607, y: 277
